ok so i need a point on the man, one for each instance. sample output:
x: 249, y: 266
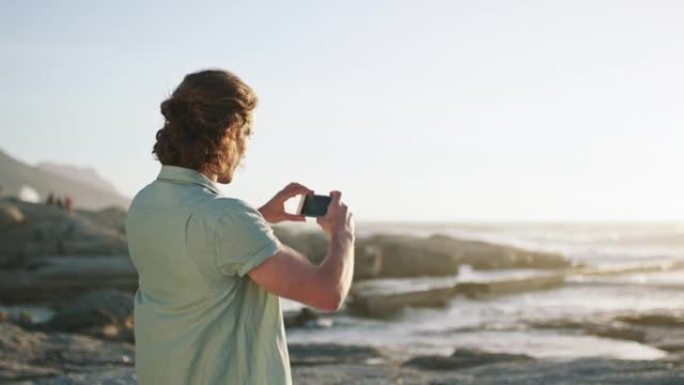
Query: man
x: 207, y: 310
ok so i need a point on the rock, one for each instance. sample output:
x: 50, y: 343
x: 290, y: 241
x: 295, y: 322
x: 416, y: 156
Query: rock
x: 387, y: 305
x: 671, y: 319
x: 367, y: 260
x: 110, y: 217
x: 410, y: 258
x: 306, y: 317
x: 100, y: 313
x: 463, y: 358
x: 64, y: 359
x: 383, y: 298
x: 509, y: 286
x: 664, y: 331
x: 597, y: 326
x: 26, y: 355
x: 575, y: 372
x: 49, y: 231
x: 486, y: 256
x: 440, y: 255
x: 356, y: 374
x: 313, y: 245
x: 63, y: 278
x: 387, y: 256
x: 119, y: 376
x: 318, y: 354
x: 10, y: 215
x: 625, y: 268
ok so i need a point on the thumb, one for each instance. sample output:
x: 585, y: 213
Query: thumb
x: 336, y: 196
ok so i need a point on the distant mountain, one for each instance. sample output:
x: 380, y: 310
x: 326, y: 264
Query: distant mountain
x: 86, y: 188
x: 85, y: 175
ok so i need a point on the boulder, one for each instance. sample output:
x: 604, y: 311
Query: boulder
x: 100, y: 313
x: 409, y: 257
x: 51, y: 231
x: 56, y: 279
x: 111, y: 217
x: 486, y: 256
x: 314, y: 245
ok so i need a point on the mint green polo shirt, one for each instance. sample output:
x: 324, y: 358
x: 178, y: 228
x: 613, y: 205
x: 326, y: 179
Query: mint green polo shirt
x: 199, y: 318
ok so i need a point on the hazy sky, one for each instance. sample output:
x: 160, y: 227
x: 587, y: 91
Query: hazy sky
x: 415, y: 110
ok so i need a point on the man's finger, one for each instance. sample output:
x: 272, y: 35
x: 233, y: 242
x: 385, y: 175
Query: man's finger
x: 295, y: 217
x: 336, y: 196
x: 296, y: 188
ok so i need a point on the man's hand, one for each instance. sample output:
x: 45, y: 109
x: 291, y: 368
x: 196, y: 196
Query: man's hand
x: 274, y: 210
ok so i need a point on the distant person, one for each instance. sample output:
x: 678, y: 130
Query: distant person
x: 68, y: 203
x: 207, y: 310
x: 50, y: 199
x: 59, y: 202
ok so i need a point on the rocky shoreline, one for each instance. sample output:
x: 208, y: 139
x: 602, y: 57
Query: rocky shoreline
x: 90, y: 341
x: 38, y: 358
x: 75, y: 263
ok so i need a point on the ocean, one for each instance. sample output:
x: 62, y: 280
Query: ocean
x: 510, y: 323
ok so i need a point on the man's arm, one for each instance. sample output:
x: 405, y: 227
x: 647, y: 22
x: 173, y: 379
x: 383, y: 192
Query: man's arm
x: 291, y: 275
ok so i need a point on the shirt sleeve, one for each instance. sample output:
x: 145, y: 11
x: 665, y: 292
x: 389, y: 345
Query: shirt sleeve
x: 244, y: 239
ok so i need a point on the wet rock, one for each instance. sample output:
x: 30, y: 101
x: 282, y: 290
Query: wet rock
x: 324, y: 353
x: 357, y: 374
x: 575, y: 372
x: 509, y: 286
x: 462, y: 358
x: 323, y: 364
x: 663, y: 330
x: 670, y: 319
x: 383, y: 298
x: 387, y: 305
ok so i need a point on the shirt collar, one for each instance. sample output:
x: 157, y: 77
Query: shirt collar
x: 186, y: 175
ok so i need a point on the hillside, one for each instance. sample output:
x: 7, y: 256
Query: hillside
x: 85, y: 175
x: 15, y: 174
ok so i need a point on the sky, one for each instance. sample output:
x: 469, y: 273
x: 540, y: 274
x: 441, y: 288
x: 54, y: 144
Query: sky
x: 414, y: 110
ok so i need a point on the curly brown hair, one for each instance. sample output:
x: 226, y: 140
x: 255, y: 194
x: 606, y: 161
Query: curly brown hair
x: 207, y: 120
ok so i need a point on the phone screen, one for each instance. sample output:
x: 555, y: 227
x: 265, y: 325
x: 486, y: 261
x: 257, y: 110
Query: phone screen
x: 314, y: 205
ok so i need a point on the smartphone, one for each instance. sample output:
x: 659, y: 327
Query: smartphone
x: 312, y: 205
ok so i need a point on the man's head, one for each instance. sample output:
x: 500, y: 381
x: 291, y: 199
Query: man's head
x: 208, y: 119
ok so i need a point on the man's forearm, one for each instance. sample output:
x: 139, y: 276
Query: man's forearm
x: 338, y: 266
x: 264, y: 214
